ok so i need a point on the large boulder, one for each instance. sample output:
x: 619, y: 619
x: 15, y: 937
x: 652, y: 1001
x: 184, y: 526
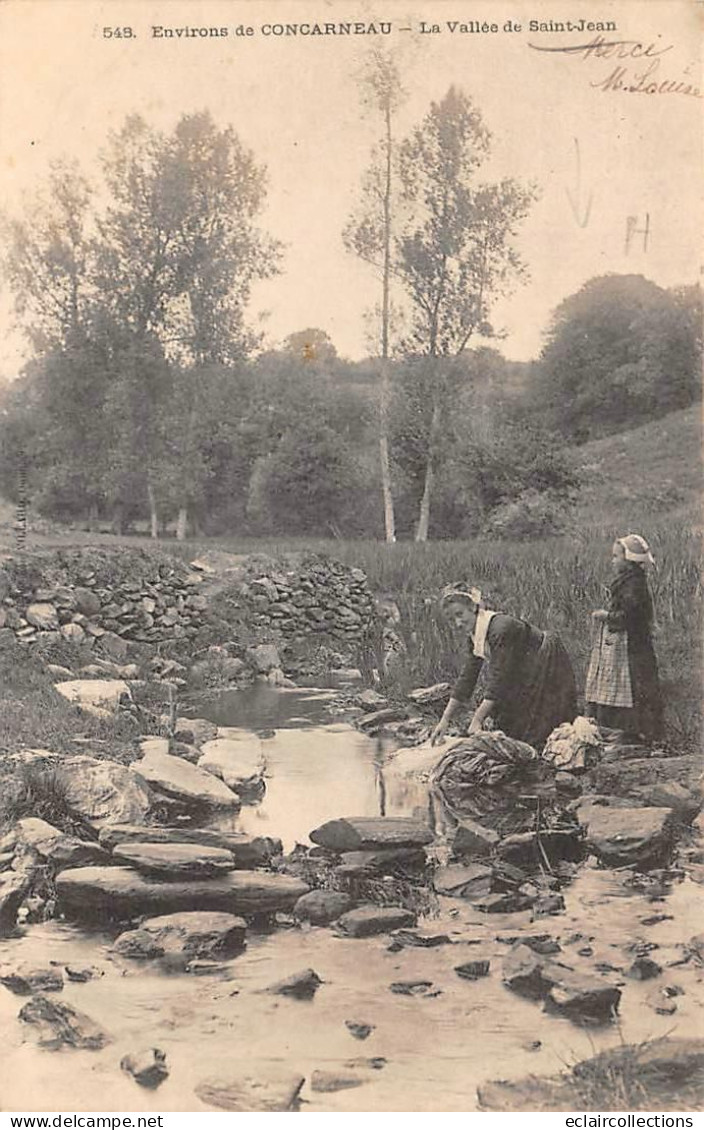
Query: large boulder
x: 272, y: 1088
x: 55, y: 846
x: 474, y: 840
x: 185, y: 782
x: 14, y: 885
x: 238, y: 763
x: 122, y: 894
x: 104, y: 793
x: 101, y: 697
x: 58, y: 1025
x: 175, y: 861
x: 621, y: 837
x: 364, y: 833
x: 247, y: 851
x: 189, y: 934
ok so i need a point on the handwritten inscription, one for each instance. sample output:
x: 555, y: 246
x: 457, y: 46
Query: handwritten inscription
x: 637, y: 70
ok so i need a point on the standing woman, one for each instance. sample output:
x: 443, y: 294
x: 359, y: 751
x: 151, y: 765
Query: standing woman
x: 530, y: 686
x: 623, y: 686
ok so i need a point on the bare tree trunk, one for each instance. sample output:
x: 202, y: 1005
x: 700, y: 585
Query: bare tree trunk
x: 153, y: 513
x: 389, y: 520
x: 182, y: 524
x: 424, y: 512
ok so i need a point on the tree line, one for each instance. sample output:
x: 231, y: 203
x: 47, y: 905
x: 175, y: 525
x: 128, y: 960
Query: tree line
x: 149, y: 395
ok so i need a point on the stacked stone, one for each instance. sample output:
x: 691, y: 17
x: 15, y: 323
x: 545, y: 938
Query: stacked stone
x: 153, y: 602
x: 317, y: 597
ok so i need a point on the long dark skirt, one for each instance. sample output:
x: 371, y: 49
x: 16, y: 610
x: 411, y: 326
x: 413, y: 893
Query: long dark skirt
x: 545, y: 694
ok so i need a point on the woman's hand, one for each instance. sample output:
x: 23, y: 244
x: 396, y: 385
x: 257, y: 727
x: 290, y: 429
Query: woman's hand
x: 438, y: 733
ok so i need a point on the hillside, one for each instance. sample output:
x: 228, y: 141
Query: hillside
x: 654, y: 471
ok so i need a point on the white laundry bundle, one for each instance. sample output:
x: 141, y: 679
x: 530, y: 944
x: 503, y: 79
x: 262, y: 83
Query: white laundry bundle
x: 573, y: 745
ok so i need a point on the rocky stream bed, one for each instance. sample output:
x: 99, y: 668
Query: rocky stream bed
x: 274, y: 907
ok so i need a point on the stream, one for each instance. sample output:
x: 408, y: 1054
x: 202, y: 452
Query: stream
x: 437, y: 1048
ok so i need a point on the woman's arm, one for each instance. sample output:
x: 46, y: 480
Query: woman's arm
x: 482, y: 712
x: 460, y: 696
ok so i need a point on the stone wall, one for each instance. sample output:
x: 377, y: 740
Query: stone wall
x: 126, y: 596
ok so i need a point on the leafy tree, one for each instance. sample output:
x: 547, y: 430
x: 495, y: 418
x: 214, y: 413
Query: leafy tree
x: 48, y: 258
x: 455, y: 253
x: 619, y: 351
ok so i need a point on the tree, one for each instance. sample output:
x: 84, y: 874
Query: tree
x: 620, y: 351
x: 48, y: 259
x: 455, y: 253
x: 369, y: 234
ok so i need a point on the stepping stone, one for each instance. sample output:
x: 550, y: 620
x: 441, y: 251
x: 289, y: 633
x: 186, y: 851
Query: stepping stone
x: 270, y: 1089
x: 368, y: 833
x: 190, y: 934
x: 175, y: 861
x: 248, y: 851
x: 366, y: 921
x: 119, y: 893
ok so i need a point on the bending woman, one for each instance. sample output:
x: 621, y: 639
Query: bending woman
x: 530, y: 687
x: 623, y: 686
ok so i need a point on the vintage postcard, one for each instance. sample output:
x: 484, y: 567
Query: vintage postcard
x: 335, y: 334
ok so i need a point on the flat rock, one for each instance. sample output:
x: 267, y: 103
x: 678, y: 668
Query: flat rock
x: 621, y: 837
x: 459, y: 880
x: 359, y: 1029
x: 271, y: 1089
x: 55, y: 846
x: 239, y: 764
x: 379, y: 718
x: 96, y: 696
x: 190, y: 934
x: 327, y: 1082
x: 364, y: 833
x: 147, y: 1067
x: 248, y: 851
x: 102, y: 792
x: 42, y: 615
x: 24, y: 980
x: 670, y: 794
x: 302, y: 985
x: 365, y: 921
x: 524, y: 848
x: 383, y: 861
x: 120, y: 893
x: 60, y: 1025
x: 185, y: 782
x: 474, y: 840
x: 321, y: 907
x: 175, y: 861
x: 422, y: 938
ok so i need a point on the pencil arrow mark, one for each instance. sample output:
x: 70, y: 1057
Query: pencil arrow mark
x: 581, y: 217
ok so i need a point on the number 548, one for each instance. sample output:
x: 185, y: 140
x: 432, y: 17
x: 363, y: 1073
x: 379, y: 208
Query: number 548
x: 118, y: 33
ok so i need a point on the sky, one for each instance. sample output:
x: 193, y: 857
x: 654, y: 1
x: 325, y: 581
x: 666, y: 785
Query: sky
x: 600, y: 153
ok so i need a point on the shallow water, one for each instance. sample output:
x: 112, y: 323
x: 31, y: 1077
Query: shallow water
x: 438, y: 1048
